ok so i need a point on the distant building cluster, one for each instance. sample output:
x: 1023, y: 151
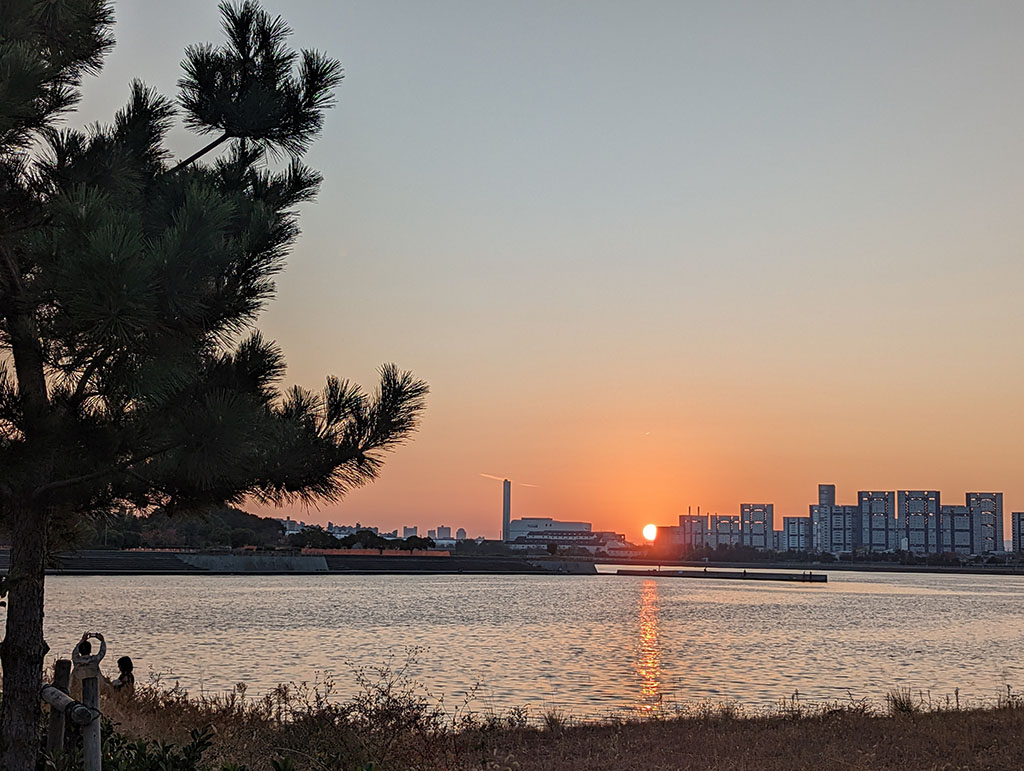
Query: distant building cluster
x: 442, y: 534
x: 914, y: 521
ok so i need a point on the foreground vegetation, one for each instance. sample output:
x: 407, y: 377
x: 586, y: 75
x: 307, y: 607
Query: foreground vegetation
x: 391, y: 724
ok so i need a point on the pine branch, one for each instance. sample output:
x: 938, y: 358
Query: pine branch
x: 60, y: 484
x: 200, y: 153
x: 98, y: 361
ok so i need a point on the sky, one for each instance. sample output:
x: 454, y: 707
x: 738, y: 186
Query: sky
x: 654, y: 255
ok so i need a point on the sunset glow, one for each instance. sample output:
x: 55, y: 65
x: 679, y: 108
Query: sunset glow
x: 606, y: 325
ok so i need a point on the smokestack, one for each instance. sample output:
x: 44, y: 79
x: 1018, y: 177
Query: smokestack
x: 506, y: 508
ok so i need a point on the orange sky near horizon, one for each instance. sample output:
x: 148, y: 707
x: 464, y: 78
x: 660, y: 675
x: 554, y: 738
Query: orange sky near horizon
x: 658, y: 255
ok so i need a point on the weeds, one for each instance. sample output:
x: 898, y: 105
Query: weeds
x: 554, y: 721
x: 901, y: 702
x: 393, y: 724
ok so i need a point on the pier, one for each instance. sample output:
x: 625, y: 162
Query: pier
x: 739, y: 575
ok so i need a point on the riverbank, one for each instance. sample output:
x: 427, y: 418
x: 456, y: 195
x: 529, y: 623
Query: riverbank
x: 1013, y: 569
x: 391, y: 726
x: 112, y: 562
x: 115, y: 563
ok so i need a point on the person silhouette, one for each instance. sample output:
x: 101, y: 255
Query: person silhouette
x: 125, y: 682
x: 86, y: 663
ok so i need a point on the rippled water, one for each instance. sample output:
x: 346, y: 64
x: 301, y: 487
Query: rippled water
x: 589, y: 644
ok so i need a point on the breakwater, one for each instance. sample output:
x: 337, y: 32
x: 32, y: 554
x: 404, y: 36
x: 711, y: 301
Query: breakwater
x: 734, y: 575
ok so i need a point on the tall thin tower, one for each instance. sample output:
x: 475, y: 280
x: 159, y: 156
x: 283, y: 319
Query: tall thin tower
x: 506, y: 508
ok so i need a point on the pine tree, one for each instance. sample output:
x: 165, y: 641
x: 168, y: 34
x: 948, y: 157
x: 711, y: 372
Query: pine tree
x: 130, y: 371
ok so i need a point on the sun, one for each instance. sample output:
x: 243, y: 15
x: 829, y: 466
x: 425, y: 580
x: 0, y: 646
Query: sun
x: 650, y: 532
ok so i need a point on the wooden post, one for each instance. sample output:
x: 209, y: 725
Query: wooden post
x: 55, y: 730
x: 91, y: 747
x: 87, y: 666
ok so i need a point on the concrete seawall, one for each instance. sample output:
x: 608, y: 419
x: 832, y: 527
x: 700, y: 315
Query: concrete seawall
x: 98, y: 562
x: 255, y: 563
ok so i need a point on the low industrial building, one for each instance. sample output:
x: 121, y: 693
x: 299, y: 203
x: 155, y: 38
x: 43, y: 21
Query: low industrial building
x: 527, y: 526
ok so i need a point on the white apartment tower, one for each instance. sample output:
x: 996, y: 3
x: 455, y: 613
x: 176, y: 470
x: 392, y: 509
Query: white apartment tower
x: 877, y: 520
x: 986, y: 513
x: 918, y: 519
x: 834, y: 529
x: 724, y: 530
x: 955, y: 529
x: 795, y: 534
x: 756, y: 524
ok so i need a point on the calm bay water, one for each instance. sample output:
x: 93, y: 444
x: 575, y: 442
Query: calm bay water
x: 591, y: 645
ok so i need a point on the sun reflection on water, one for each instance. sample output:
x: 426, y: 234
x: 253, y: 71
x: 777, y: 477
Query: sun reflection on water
x: 648, y: 652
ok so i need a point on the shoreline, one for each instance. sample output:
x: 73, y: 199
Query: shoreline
x: 157, y: 563
x: 182, y: 563
x: 824, y: 567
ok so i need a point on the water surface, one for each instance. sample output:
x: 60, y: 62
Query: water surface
x: 592, y: 645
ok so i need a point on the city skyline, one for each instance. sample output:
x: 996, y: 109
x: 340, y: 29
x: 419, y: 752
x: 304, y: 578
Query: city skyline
x: 747, y: 511
x: 655, y: 256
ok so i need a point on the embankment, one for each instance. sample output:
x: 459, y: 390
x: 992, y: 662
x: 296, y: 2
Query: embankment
x: 100, y: 562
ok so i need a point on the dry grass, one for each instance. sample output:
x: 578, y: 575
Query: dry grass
x: 391, y: 725
x: 838, y: 741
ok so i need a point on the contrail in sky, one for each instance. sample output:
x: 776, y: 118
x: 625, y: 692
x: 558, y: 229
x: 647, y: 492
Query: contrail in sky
x: 502, y: 479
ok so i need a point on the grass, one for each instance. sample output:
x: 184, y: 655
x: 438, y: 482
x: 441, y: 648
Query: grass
x: 393, y: 725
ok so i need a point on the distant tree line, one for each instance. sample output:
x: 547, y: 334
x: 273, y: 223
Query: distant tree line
x: 223, y: 527
x: 318, y: 538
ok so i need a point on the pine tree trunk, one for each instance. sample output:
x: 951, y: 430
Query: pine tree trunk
x: 23, y: 649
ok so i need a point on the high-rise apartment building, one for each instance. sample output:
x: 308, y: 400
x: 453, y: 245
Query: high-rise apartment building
x: 756, y: 524
x: 443, y: 531
x: 835, y: 529
x: 877, y: 520
x: 918, y: 520
x: 826, y: 495
x: 724, y: 530
x: 974, y: 528
x: 409, y: 532
x: 795, y: 534
x: 986, y: 512
x: 955, y: 529
x: 1017, y: 531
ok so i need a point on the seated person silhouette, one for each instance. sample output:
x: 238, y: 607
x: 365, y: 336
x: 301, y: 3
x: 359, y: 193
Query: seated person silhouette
x: 125, y: 682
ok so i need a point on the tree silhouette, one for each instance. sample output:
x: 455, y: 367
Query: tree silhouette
x: 130, y: 374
